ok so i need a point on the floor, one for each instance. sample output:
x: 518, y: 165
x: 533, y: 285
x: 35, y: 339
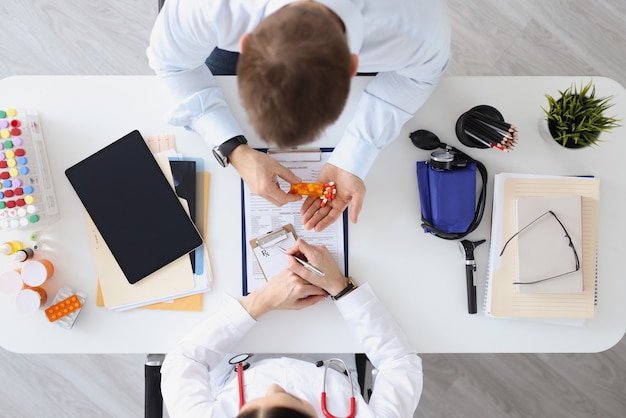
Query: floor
x: 491, y: 37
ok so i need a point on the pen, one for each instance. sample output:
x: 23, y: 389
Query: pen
x: 304, y: 263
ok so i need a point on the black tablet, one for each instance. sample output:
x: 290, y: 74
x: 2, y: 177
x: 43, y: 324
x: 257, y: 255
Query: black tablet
x: 134, y: 207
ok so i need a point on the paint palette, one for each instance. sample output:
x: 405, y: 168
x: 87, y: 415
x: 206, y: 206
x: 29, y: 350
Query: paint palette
x: 26, y: 194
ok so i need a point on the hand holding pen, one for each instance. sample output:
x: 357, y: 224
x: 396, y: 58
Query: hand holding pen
x: 301, y: 261
x: 332, y: 281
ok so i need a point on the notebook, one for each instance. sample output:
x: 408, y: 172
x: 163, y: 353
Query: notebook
x: 502, y: 298
x: 133, y: 206
x: 543, y: 249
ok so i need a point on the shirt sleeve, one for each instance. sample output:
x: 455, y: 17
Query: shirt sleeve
x: 389, y: 101
x: 183, y: 36
x: 399, y: 381
x: 185, y: 383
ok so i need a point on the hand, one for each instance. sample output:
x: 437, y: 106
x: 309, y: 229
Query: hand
x: 286, y: 290
x: 332, y: 282
x: 259, y: 171
x: 350, y: 189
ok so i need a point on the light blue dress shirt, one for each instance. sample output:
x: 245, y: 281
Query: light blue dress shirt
x: 407, y: 42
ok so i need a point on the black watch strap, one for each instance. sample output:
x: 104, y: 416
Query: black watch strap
x: 349, y: 288
x: 226, y: 148
x: 222, y: 151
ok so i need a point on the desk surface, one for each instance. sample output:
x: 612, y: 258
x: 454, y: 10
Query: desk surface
x: 420, y: 278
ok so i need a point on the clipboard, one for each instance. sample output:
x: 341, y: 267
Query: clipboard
x: 271, y: 260
x: 306, y: 163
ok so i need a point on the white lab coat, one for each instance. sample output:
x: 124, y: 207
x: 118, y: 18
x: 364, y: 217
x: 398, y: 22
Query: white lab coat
x: 406, y: 41
x: 190, y: 388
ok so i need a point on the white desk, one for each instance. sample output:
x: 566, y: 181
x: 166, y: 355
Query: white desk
x: 420, y: 278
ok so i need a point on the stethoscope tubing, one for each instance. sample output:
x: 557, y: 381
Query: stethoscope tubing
x: 325, y: 411
x: 239, y: 360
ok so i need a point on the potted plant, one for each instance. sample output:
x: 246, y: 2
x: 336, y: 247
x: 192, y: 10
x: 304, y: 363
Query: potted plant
x: 577, y: 117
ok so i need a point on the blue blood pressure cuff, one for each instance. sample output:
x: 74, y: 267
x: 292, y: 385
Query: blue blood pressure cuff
x: 447, y: 199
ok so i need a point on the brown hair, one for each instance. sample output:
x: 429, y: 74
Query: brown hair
x: 294, y: 75
x: 275, y: 412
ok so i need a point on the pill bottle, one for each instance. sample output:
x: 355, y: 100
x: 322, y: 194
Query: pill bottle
x: 36, y: 272
x: 30, y: 299
x: 23, y: 254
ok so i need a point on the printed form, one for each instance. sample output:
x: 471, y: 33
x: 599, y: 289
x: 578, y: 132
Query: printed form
x: 261, y: 217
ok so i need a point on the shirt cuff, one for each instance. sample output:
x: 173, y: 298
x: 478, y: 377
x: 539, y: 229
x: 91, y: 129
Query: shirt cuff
x: 356, y: 299
x: 354, y: 155
x: 230, y: 323
x: 236, y: 314
x: 217, y: 127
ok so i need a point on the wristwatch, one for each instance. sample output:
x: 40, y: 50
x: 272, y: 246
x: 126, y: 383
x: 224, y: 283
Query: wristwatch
x: 222, y: 151
x: 349, y: 288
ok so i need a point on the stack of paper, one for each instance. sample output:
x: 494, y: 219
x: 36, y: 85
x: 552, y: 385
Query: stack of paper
x: 542, y: 250
x: 179, y: 284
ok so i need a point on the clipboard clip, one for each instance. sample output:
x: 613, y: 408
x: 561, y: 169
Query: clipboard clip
x: 295, y: 154
x: 272, y: 238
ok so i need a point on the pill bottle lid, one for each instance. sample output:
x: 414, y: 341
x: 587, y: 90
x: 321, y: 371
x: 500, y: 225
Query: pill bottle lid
x: 34, y: 273
x: 28, y: 301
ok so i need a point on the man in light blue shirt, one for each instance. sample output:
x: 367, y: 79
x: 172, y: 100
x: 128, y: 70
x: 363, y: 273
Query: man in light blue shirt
x: 407, y: 43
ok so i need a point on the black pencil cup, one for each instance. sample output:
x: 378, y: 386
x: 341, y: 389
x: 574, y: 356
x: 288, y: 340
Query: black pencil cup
x: 467, y: 140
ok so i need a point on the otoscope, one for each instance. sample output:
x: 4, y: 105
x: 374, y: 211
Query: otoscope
x: 467, y: 248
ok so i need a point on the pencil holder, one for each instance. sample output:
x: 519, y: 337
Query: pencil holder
x: 484, y: 127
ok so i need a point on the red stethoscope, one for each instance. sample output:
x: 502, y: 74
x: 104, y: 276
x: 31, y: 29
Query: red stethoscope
x: 240, y: 363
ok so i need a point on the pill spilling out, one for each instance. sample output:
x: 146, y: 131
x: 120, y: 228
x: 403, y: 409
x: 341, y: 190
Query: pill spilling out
x: 326, y: 192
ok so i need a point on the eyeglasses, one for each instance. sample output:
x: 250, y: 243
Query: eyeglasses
x: 571, y: 245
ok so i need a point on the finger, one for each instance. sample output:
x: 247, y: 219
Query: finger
x: 314, y: 217
x: 355, y: 207
x: 304, y: 274
x: 310, y: 205
x: 279, y: 197
x: 310, y: 252
x: 312, y: 290
x: 298, y: 269
x: 309, y: 301
x: 287, y: 175
x: 329, y: 219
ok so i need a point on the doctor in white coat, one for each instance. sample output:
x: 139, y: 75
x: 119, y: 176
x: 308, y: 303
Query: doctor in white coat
x: 198, y: 381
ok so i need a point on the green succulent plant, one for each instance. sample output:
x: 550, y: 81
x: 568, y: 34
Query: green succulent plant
x: 577, y: 117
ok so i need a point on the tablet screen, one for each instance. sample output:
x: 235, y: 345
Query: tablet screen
x: 134, y: 207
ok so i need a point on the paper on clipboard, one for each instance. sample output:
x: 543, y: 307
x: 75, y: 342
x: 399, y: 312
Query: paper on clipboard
x: 271, y: 260
x: 260, y: 217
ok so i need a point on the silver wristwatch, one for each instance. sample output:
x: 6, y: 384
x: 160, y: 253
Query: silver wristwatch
x: 222, y: 151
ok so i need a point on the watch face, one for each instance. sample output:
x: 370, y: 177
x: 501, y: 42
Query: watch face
x: 219, y: 157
